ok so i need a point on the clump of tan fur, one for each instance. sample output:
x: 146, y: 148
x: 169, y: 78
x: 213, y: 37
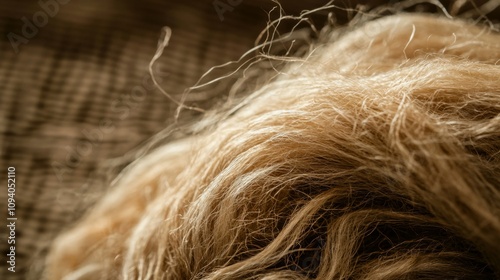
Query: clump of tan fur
x: 377, y: 157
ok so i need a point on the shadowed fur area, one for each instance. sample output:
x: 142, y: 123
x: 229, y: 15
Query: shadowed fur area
x: 376, y: 156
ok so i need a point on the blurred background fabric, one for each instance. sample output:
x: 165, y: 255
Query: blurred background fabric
x: 75, y: 91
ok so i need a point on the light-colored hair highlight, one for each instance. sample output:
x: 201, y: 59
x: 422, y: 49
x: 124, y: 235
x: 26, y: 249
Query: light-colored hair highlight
x: 376, y: 157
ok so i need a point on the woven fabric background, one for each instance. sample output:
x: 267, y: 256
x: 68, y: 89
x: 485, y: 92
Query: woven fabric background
x: 86, y: 66
x: 86, y: 69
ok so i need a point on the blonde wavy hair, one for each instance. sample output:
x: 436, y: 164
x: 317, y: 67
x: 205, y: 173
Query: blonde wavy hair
x: 376, y: 156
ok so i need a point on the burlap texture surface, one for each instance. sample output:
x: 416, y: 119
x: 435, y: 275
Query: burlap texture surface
x: 78, y: 93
